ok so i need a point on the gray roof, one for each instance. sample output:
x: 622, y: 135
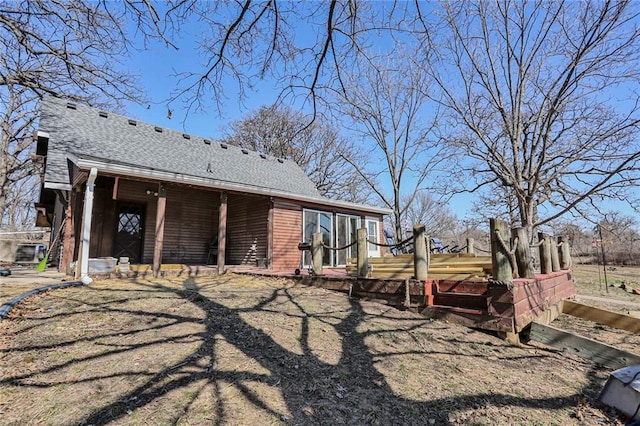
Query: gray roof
x: 88, y: 133
x: 116, y: 144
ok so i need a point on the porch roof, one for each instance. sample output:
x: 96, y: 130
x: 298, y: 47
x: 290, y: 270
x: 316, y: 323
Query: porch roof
x: 119, y: 145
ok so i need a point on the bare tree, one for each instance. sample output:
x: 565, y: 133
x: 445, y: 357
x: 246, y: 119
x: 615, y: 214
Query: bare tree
x: 15, y: 150
x: 620, y: 238
x: 319, y: 149
x: 543, y: 99
x: 386, y: 102
x: 63, y: 49
x: 305, y: 47
x: 436, y: 215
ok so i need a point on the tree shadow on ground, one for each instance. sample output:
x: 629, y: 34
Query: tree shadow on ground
x: 315, y: 391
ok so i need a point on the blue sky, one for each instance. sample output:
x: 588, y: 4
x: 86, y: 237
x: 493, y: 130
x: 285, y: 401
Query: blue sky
x: 157, y: 67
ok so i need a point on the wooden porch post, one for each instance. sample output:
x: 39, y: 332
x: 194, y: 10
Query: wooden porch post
x: 317, y: 252
x: 159, y: 237
x: 545, y: 253
x: 222, y: 232
x: 270, y: 235
x: 565, y: 253
x: 555, y: 260
x: 420, y: 252
x: 68, y: 241
x: 523, y: 254
x: 502, y: 270
x: 362, y: 252
x: 470, y: 248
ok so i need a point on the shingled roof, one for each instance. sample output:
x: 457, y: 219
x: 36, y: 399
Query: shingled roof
x: 116, y: 144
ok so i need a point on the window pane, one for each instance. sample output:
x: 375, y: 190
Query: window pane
x: 342, y: 235
x: 355, y: 224
x: 310, y: 227
x: 325, y: 229
x: 372, y: 230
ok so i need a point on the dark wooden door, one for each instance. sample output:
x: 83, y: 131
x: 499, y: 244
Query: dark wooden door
x: 128, y: 241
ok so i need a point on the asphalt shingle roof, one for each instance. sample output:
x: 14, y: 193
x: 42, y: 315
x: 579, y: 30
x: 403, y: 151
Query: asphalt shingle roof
x: 88, y: 133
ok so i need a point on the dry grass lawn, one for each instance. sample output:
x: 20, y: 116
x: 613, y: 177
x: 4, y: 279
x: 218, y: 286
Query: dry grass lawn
x: 253, y: 350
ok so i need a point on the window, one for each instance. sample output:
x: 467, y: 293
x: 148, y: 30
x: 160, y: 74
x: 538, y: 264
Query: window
x: 373, y: 234
x: 341, y: 228
x: 316, y: 221
x: 346, y: 233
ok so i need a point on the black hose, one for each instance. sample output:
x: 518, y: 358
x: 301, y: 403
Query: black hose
x: 6, y: 308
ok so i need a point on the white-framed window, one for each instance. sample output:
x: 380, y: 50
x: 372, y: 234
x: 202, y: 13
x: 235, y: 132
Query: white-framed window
x: 346, y: 233
x: 338, y: 230
x: 318, y: 221
x: 373, y: 234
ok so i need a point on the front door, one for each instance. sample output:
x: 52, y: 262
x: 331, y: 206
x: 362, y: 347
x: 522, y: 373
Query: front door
x: 128, y: 241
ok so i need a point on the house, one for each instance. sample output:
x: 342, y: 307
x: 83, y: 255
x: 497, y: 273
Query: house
x: 118, y: 187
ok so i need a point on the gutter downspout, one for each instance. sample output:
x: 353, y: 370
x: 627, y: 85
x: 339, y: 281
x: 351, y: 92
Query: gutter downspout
x: 86, y: 226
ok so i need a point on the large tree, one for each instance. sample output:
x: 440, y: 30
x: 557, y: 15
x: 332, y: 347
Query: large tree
x: 387, y: 107
x: 65, y: 49
x: 302, y: 48
x: 543, y: 99
x: 436, y: 215
x: 318, y: 149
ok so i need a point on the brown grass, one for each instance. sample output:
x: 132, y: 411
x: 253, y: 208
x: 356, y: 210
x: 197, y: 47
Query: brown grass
x: 247, y: 350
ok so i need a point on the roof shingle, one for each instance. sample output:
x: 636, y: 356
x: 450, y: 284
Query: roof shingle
x: 89, y: 133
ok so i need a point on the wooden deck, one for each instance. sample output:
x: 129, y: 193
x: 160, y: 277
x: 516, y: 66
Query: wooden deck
x: 450, y: 266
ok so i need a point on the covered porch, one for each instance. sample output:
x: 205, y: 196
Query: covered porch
x: 164, y: 226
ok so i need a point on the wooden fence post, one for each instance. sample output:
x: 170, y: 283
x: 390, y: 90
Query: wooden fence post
x: 502, y: 270
x: 420, y: 255
x: 523, y: 254
x: 316, y: 253
x: 363, y: 253
x: 545, y: 253
x: 470, y: 248
x: 565, y: 253
x: 555, y: 258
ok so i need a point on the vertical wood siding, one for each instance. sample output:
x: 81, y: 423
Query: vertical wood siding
x: 247, y: 229
x: 103, y: 221
x: 191, y: 224
x: 191, y: 220
x: 287, y: 233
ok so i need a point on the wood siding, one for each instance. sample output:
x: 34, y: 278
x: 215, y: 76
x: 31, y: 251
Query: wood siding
x: 191, y: 220
x: 247, y: 229
x: 287, y: 233
x: 191, y: 224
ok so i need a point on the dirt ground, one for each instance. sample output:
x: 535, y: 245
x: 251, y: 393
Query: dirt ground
x: 254, y: 350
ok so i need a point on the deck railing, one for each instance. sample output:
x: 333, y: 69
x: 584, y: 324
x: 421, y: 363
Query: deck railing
x: 510, y: 257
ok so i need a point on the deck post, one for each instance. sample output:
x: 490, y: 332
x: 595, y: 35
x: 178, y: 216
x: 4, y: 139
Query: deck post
x: 523, y: 254
x: 555, y: 258
x: 362, y: 252
x: 564, y: 253
x: 470, y: 248
x: 501, y: 264
x: 222, y: 233
x: 545, y: 253
x: 420, y: 253
x: 317, y: 252
x: 159, y: 236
